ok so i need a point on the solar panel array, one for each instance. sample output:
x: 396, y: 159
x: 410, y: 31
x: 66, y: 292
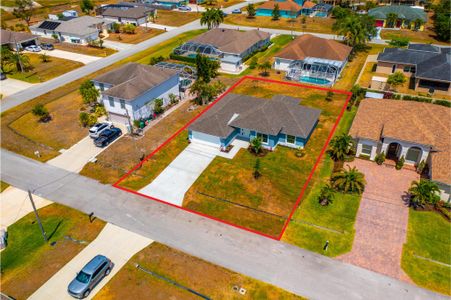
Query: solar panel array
x: 49, y: 25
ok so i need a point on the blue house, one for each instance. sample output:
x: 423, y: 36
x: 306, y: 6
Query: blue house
x: 129, y: 92
x: 287, y: 8
x: 277, y: 121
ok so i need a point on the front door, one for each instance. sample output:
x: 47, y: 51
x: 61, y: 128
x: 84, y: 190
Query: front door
x: 392, y: 151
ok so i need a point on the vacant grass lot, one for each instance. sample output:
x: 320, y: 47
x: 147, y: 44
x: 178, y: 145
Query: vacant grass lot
x: 87, y: 50
x: 210, y: 280
x: 141, y: 34
x: 320, y: 25
x: 43, y: 71
x: 25, y: 145
x: 428, y: 236
x: 28, y: 262
x: 175, y: 18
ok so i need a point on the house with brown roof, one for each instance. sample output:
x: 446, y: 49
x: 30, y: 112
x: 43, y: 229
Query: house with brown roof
x: 416, y: 131
x: 288, y: 8
x: 127, y: 13
x: 277, y: 121
x: 129, y: 92
x: 312, y: 59
x: 231, y: 47
x: 17, y: 40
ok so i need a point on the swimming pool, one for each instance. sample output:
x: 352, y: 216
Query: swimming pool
x: 314, y: 80
x: 321, y: 14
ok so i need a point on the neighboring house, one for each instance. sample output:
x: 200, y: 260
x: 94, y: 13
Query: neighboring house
x: 135, y: 15
x: 80, y: 30
x: 17, y: 40
x: 70, y: 13
x: 322, y: 10
x: 312, y: 59
x: 130, y: 91
x: 277, y: 121
x: 428, y: 66
x: 288, y: 8
x: 231, y: 47
x: 307, y: 8
x: 172, y: 3
x: 407, y: 17
x: 414, y: 130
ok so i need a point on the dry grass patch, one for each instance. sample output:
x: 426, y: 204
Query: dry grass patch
x: 208, y: 279
x: 141, y: 34
x: 175, y: 18
x: 87, y: 50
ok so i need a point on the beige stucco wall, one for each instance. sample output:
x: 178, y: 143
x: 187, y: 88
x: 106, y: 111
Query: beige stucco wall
x: 386, y: 68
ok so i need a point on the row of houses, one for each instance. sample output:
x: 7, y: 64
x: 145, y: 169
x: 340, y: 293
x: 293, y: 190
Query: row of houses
x: 294, y: 8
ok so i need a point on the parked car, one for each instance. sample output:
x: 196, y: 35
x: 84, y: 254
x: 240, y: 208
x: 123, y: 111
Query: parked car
x: 236, y: 11
x: 97, y: 129
x: 91, y: 274
x: 2, y: 76
x: 47, y: 46
x: 107, y: 136
x: 33, y: 48
x: 185, y: 8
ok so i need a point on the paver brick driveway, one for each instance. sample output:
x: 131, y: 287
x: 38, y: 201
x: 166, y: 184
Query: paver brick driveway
x: 381, y: 220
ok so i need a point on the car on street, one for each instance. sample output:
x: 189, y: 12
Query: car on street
x: 91, y: 274
x: 33, y: 48
x: 47, y: 46
x: 98, y: 128
x: 107, y: 136
x: 185, y: 8
x: 236, y: 11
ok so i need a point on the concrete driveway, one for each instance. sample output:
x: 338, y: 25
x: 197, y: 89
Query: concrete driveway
x: 114, y: 242
x: 83, y: 58
x: 158, y: 26
x: 15, y: 204
x: 11, y: 86
x: 172, y: 184
x: 77, y: 156
x: 117, y: 45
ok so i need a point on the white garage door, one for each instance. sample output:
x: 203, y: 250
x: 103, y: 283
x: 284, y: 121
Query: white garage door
x: 204, y: 138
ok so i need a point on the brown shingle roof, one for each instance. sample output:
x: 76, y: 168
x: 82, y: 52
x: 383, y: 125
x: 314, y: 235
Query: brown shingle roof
x: 285, y: 5
x: 422, y: 123
x: 281, y: 114
x: 11, y: 37
x: 133, y: 79
x: 308, y: 45
x: 308, y: 4
x: 231, y: 40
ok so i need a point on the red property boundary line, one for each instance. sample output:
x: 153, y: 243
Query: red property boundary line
x: 301, y: 194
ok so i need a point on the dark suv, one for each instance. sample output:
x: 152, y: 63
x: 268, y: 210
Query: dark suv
x: 47, y: 46
x: 107, y: 136
x: 91, y: 274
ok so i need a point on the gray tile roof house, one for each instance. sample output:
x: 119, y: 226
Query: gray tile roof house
x: 429, y: 65
x: 248, y: 116
x: 14, y: 39
x: 129, y: 13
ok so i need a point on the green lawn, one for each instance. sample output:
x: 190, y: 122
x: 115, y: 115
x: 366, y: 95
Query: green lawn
x: 314, y: 224
x: 28, y: 262
x: 429, y: 236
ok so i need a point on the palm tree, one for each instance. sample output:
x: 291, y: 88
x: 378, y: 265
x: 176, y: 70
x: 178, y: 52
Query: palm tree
x: 5, y: 56
x: 354, y: 29
x: 212, y: 17
x: 20, y: 60
x: 391, y: 20
x: 349, y: 181
x: 256, y: 145
x: 265, y: 67
x: 422, y: 192
x: 340, y: 147
x: 326, y: 195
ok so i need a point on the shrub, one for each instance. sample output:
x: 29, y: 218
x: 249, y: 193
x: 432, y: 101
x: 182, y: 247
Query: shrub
x: 92, y: 120
x: 253, y: 63
x: 100, y: 111
x: 129, y: 28
x: 326, y: 195
x: 158, y: 106
x: 329, y: 96
x: 399, y: 41
x: 116, y: 27
x: 421, y: 166
x: 173, y: 99
x: 380, y: 158
x: 182, y: 58
x: 41, y: 111
x: 257, y: 173
x: 88, y: 92
x: 136, y: 123
x: 256, y: 145
x: 400, y: 163
x: 443, y: 103
x: 156, y: 59
x: 84, y: 118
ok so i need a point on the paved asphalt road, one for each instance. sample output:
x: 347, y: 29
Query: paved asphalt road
x: 289, y: 267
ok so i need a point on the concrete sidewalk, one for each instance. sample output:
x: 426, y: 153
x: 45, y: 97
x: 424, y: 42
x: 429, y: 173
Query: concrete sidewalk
x: 114, y: 242
x: 11, y: 86
x: 15, y: 204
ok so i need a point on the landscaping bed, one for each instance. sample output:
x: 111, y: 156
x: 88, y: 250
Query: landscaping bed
x: 28, y: 262
x: 203, y: 277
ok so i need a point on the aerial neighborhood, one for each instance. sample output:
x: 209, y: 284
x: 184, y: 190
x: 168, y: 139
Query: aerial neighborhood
x: 225, y: 149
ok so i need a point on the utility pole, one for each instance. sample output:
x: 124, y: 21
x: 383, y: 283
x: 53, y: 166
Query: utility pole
x: 37, y: 216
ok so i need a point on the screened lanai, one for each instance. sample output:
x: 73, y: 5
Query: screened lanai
x: 315, y: 68
x: 192, y: 48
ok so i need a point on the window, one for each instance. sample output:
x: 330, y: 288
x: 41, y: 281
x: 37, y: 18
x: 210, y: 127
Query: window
x: 366, y: 149
x: 111, y: 101
x: 122, y: 103
x: 407, y: 69
x: 263, y: 137
x: 291, y: 139
x: 413, y: 154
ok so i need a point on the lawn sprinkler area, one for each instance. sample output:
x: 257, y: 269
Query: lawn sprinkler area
x: 223, y: 186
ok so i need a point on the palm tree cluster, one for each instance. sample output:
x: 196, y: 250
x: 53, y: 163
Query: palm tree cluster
x: 340, y: 147
x: 19, y: 60
x: 348, y: 180
x: 212, y: 17
x: 356, y: 29
x: 424, y: 192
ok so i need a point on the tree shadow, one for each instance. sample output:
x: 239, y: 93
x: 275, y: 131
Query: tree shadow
x: 55, y: 230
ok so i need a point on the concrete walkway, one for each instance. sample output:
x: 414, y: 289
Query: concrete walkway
x: 10, y: 86
x: 382, y: 219
x: 83, y: 58
x: 172, y: 184
x: 114, y: 242
x: 117, y: 45
x: 15, y: 204
x: 158, y: 26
